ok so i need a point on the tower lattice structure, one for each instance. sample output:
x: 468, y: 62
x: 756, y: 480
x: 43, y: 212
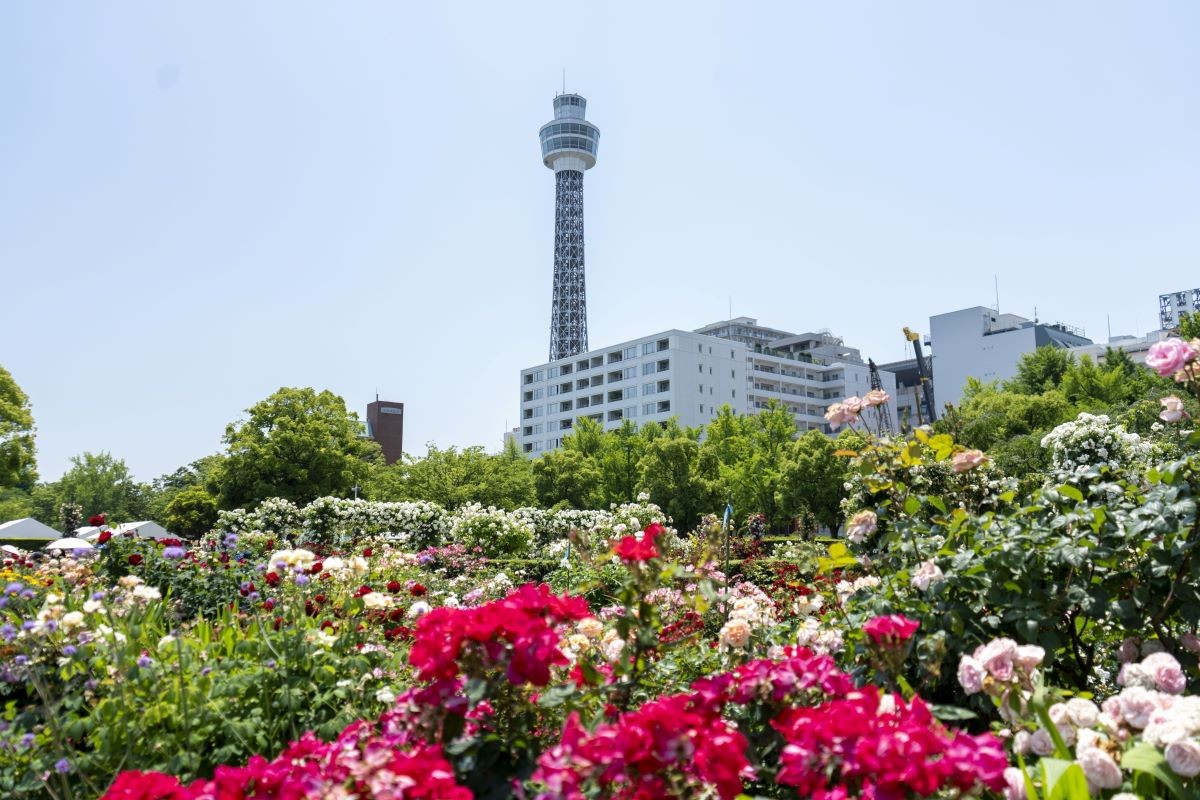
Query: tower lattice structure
x: 569, y: 145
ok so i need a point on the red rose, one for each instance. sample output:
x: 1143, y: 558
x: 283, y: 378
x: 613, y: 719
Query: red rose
x: 268, y: 604
x: 96, y: 521
x: 104, y: 536
x: 394, y: 586
x: 630, y: 549
x: 316, y: 567
x: 320, y: 598
x: 363, y: 590
x: 396, y: 614
x: 272, y: 579
x: 653, y: 530
x: 135, y: 559
x: 416, y: 590
x: 367, y: 553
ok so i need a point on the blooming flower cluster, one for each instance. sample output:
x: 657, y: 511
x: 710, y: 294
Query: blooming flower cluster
x: 517, y: 633
x: 848, y: 411
x: 1092, y: 441
x: 363, y: 762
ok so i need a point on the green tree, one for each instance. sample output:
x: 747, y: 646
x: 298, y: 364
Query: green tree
x: 567, y: 478
x: 18, y: 463
x: 298, y: 444
x: 191, y: 512
x: 1040, y: 370
x: 101, y: 484
x: 452, y: 478
x: 813, y: 477
x: 668, y: 473
x: 623, y: 450
x: 15, y: 504
x: 1189, y: 326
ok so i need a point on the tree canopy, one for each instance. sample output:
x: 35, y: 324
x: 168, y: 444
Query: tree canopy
x: 18, y: 462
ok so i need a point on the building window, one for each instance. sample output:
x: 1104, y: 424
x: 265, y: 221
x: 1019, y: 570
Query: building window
x: 582, y: 403
x: 597, y: 380
x: 552, y: 390
x: 537, y: 393
x: 565, y: 405
x: 664, y: 386
x: 664, y: 344
x: 528, y: 414
x: 664, y: 365
x: 537, y: 428
x: 648, y: 408
x: 731, y: 374
x: 614, y: 397
x: 700, y: 368
x: 527, y: 430
x: 529, y: 447
x: 647, y: 348
x: 582, y: 383
x: 528, y: 396
x: 614, y: 357
x: 664, y: 406
x: 565, y: 424
x: 614, y: 415
x: 581, y: 365
x: 551, y: 408
x: 597, y: 361
x: 554, y: 372
x: 564, y: 388
x: 537, y: 411
x: 630, y: 352
x: 648, y: 388
x: 699, y: 348
x: 565, y: 369
x: 615, y: 377
x: 629, y: 393
x: 733, y: 393
x: 540, y: 376
x: 630, y: 372
x: 529, y: 379
x: 702, y: 388
x: 596, y: 417
x: 630, y: 411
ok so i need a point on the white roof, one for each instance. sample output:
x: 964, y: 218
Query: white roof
x: 146, y: 529
x: 27, y: 528
x: 70, y: 543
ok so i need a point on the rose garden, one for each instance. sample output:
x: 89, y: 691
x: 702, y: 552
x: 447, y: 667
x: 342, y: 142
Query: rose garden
x: 972, y: 630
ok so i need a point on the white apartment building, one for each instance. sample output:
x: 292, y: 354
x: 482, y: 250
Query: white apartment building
x: 981, y: 343
x: 689, y: 375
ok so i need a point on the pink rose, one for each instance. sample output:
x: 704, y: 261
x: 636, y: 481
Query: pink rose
x: 927, y: 574
x: 1030, y: 657
x: 998, y: 657
x: 1137, y: 704
x: 1168, y: 675
x: 890, y: 630
x: 1184, y: 758
x: 1014, y: 784
x: 876, y: 397
x: 971, y: 674
x: 854, y: 404
x: 1172, y: 409
x: 1100, y: 769
x: 1169, y: 356
x: 967, y: 460
x: 839, y: 414
x: 860, y: 526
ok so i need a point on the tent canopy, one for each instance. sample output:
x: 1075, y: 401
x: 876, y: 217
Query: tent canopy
x: 27, y: 528
x: 70, y: 543
x: 146, y: 529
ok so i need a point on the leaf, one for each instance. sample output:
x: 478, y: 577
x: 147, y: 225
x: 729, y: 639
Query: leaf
x: 952, y: 713
x: 1147, y: 759
x: 1070, y: 785
x: 937, y: 503
x: 1070, y: 491
x: 912, y: 505
x: 846, y: 453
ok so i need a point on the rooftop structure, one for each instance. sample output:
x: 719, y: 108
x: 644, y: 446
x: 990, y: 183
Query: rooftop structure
x: 569, y: 145
x: 1172, y: 306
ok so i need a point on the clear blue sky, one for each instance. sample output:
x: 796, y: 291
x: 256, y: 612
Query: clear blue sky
x: 200, y: 203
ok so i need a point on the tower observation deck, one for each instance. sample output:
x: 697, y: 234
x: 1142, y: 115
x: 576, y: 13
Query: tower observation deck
x: 569, y: 145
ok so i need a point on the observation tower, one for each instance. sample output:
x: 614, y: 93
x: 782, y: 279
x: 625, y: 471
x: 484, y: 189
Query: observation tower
x: 569, y: 146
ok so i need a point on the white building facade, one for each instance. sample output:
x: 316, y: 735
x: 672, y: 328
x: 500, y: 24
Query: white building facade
x: 689, y: 375
x: 981, y: 343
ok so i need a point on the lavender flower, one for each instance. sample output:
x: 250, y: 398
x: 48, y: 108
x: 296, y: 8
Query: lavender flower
x: 173, y: 553
x: 70, y: 650
x: 301, y: 579
x: 231, y: 539
x: 14, y: 588
x: 62, y: 766
x: 8, y: 632
x: 145, y: 661
x: 98, y: 596
x: 27, y: 740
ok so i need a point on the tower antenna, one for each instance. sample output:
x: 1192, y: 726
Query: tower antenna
x: 996, y: 278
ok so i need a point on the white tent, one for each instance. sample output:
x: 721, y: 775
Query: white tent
x: 69, y: 544
x: 27, y: 528
x: 143, y: 530
x: 88, y: 532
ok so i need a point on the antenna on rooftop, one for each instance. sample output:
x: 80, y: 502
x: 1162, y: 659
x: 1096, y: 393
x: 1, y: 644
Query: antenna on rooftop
x: 564, y: 80
x: 996, y: 278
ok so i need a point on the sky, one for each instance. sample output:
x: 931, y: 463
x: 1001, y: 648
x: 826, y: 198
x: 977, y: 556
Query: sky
x: 201, y: 203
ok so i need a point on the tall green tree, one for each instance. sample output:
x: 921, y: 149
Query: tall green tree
x: 102, y: 484
x: 813, y: 477
x: 568, y: 478
x: 191, y: 512
x: 298, y: 444
x: 452, y: 478
x: 18, y: 462
x: 1040, y: 370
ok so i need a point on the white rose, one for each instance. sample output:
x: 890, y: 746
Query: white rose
x: 1184, y: 758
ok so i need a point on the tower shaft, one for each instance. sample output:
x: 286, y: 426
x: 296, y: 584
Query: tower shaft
x: 568, y: 312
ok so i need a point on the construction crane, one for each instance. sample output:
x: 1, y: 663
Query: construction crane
x: 884, y: 413
x: 923, y: 372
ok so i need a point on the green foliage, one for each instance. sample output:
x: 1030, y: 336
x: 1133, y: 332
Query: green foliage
x: 567, y: 477
x: 813, y: 476
x: 297, y: 444
x: 453, y: 478
x: 101, y: 484
x: 1041, y: 370
x: 1189, y: 326
x: 18, y: 461
x: 191, y: 512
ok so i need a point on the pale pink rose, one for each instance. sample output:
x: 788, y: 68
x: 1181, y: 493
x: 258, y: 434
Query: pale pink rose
x: 1100, y: 769
x: 1112, y: 707
x: 1128, y: 650
x: 967, y: 460
x: 1014, y: 784
x: 1087, y: 739
x: 838, y: 414
x: 1172, y: 409
x: 971, y: 674
x: 1184, y: 758
x: 998, y: 657
x: 1041, y: 743
x: 1190, y: 642
x: 1169, y: 356
x: 876, y: 397
x: 854, y: 405
x: 860, y: 526
x: 927, y: 574
x: 1082, y: 713
x: 1137, y: 704
x: 1135, y: 675
x: 1030, y: 657
x: 1168, y: 675
x: 1021, y: 744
